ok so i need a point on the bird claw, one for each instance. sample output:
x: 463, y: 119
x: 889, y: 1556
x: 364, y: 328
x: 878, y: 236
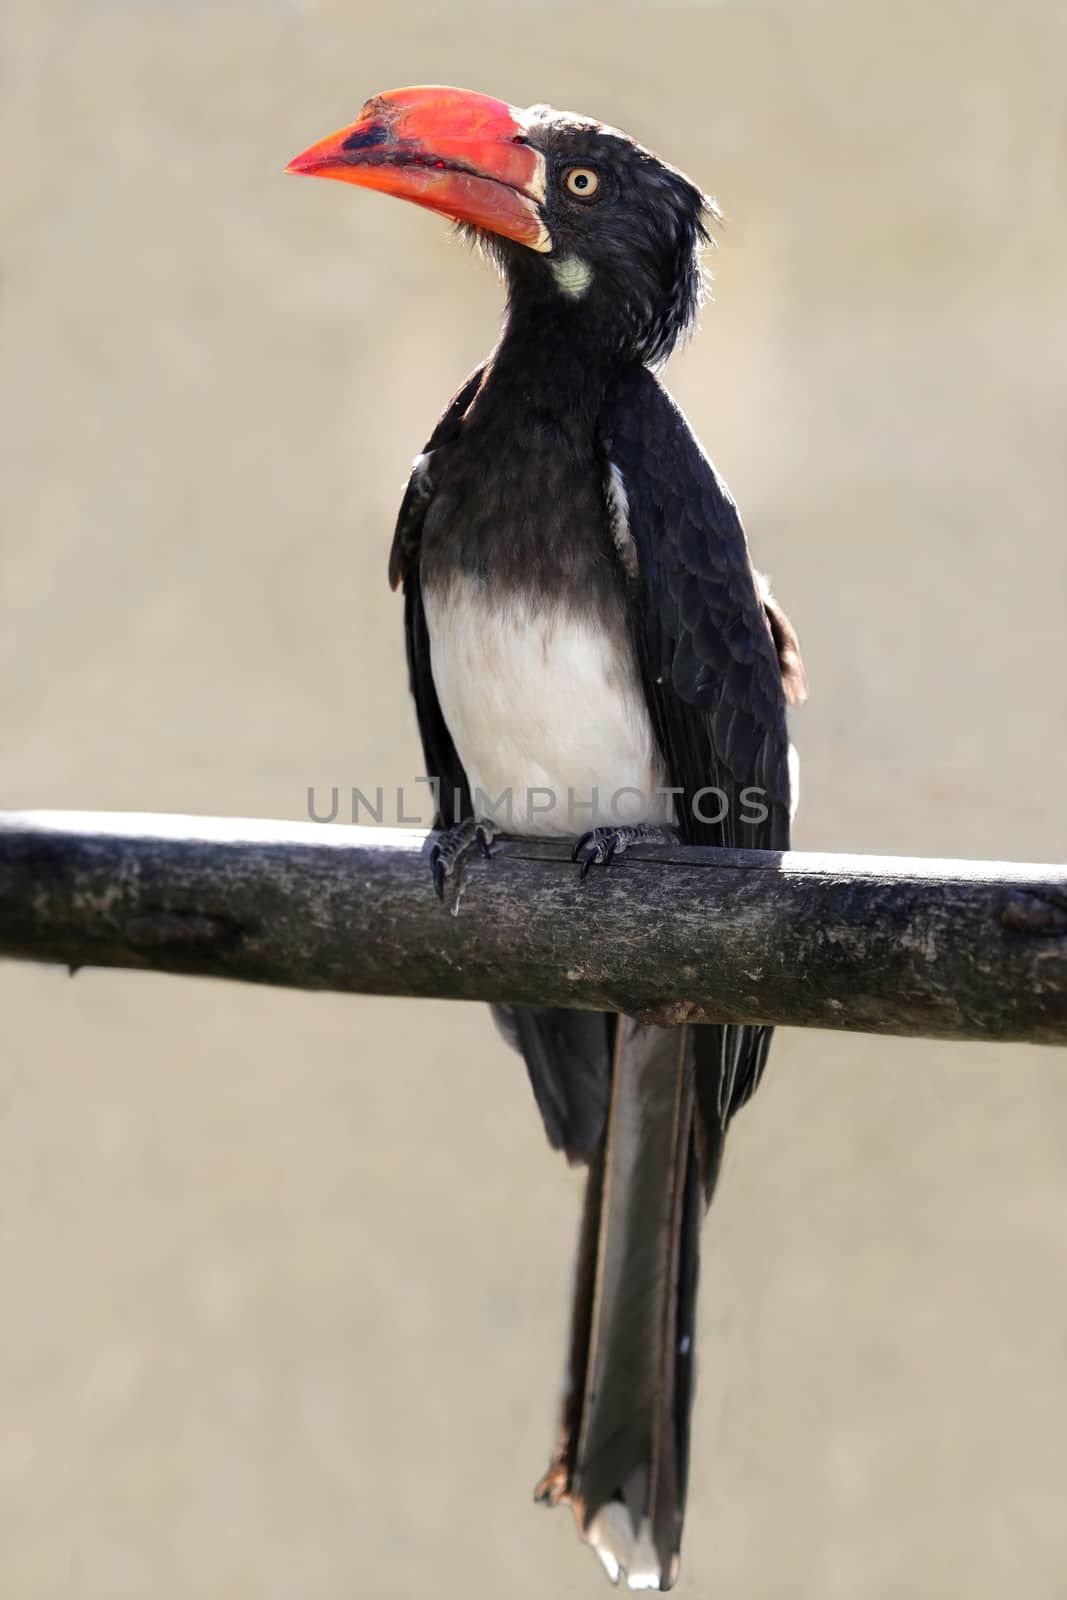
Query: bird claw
x: 599, y: 846
x: 595, y: 847
x: 452, y: 847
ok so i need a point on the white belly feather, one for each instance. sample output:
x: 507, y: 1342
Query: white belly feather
x: 546, y: 713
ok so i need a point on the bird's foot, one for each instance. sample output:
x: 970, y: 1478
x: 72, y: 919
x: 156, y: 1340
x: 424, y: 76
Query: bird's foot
x: 453, y: 846
x: 600, y: 845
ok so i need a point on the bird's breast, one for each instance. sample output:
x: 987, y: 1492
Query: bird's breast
x: 545, y: 708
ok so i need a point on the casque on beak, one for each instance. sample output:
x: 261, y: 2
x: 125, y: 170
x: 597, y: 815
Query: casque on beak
x: 453, y: 151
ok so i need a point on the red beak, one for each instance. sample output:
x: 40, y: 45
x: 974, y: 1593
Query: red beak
x: 455, y: 152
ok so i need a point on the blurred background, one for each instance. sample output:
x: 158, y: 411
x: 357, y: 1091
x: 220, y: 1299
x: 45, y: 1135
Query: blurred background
x: 285, y: 1276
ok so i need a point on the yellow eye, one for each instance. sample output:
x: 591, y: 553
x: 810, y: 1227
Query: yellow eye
x: 582, y: 182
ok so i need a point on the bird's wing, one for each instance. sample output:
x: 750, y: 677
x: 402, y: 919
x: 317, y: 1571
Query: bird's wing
x: 443, y: 765
x: 717, y: 656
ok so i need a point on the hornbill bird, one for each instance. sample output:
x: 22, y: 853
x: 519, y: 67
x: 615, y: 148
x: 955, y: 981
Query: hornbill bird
x: 583, y: 623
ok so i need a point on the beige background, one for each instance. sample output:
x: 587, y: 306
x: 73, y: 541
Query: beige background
x: 285, y: 1276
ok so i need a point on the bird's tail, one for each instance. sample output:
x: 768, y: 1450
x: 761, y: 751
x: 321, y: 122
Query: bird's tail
x: 623, y: 1456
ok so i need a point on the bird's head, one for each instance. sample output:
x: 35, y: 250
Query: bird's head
x: 574, y: 212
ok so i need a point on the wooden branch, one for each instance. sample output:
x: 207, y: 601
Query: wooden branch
x: 946, y: 949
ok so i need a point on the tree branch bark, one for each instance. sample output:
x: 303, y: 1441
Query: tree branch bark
x: 876, y: 944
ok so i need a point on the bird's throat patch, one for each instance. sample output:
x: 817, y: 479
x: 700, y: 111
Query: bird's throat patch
x: 573, y: 275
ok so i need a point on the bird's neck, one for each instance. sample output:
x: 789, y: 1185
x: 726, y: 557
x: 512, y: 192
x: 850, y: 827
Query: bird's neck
x: 552, y: 358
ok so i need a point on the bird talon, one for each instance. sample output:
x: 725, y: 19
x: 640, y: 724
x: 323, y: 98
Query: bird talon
x: 451, y: 849
x: 599, y: 853
x: 599, y: 846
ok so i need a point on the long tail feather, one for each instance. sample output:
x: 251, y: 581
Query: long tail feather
x: 622, y: 1461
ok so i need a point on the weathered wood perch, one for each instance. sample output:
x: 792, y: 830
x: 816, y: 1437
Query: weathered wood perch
x: 877, y: 944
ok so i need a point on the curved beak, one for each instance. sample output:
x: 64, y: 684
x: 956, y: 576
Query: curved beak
x: 462, y: 154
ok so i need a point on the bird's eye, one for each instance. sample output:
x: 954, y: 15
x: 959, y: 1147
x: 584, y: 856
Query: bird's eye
x: 581, y: 182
